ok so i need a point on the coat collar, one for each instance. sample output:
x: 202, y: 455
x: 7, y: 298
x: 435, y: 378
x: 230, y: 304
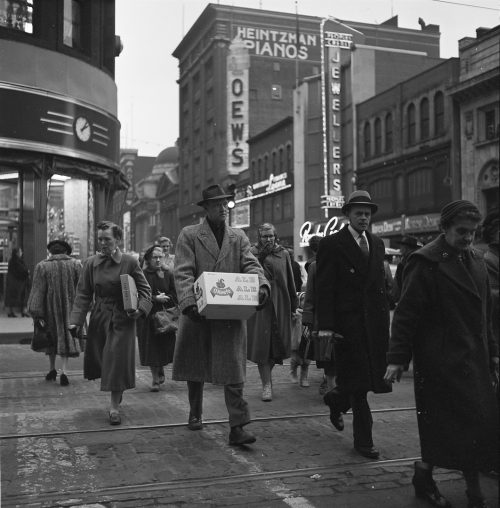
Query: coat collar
x: 116, y: 257
x: 441, y: 252
x: 208, y: 240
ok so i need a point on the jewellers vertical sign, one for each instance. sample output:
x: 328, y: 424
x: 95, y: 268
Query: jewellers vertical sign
x: 337, y: 42
x: 238, y: 63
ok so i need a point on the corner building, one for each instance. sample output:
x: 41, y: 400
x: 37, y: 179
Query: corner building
x: 59, y: 134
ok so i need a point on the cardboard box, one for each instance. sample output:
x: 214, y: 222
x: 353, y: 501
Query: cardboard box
x: 227, y: 295
x: 129, y: 292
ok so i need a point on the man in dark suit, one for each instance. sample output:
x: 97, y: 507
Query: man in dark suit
x: 351, y: 302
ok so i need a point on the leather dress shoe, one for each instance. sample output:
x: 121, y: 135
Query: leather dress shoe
x: 426, y: 488
x: 195, y: 423
x: 335, y: 414
x: 368, y: 451
x: 238, y: 436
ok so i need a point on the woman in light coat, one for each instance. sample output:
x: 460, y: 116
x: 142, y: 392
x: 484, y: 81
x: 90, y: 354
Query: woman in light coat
x: 110, y: 349
x: 50, y: 302
x: 270, y: 331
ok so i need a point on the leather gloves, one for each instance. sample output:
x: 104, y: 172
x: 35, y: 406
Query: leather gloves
x: 193, y: 314
x: 263, y: 297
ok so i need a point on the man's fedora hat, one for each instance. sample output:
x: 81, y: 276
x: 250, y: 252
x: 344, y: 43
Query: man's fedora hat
x: 359, y: 197
x: 411, y: 241
x: 213, y: 192
x: 62, y: 243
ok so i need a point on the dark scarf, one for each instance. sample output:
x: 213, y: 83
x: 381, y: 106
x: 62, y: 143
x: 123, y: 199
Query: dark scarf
x: 266, y: 250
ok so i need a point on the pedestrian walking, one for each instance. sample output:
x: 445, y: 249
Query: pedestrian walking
x: 408, y: 245
x: 490, y: 237
x: 270, y: 331
x: 51, y: 298
x: 110, y: 348
x: 442, y: 322
x: 17, y: 286
x: 352, y: 303
x: 313, y: 245
x: 156, y: 350
x: 168, y: 259
x: 213, y: 351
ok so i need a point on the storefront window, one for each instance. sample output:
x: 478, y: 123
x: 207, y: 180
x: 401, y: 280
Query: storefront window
x: 9, y: 213
x: 17, y: 14
x: 68, y: 210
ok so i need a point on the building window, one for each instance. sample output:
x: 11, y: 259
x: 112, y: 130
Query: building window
x: 412, y: 127
x: 289, y: 158
x: 17, y: 14
x: 388, y: 133
x: 266, y: 167
x: 420, y: 189
x: 368, y: 140
x: 424, y: 118
x: 490, y: 124
x: 378, y: 136
x: 259, y: 174
x: 439, y: 113
x: 276, y: 92
x: 281, y: 161
x: 72, y: 31
x: 274, y: 167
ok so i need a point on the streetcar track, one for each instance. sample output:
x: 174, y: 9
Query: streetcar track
x: 183, y: 424
x: 108, y: 494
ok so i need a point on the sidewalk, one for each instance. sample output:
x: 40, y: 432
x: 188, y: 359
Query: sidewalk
x: 15, y: 330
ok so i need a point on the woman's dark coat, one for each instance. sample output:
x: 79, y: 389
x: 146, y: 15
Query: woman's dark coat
x: 351, y: 300
x: 273, y: 324
x: 157, y: 350
x: 17, y: 286
x: 443, y: 320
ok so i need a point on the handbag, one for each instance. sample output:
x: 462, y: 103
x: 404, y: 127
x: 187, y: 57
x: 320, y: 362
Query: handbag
x: 166, y: 320
x: 42, y: 339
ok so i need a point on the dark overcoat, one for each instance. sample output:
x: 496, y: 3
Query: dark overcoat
x: 275, y: 319
x: 351, y: 300
x: 443, y: 320
x: 214, y: 350
x: 156, y: 350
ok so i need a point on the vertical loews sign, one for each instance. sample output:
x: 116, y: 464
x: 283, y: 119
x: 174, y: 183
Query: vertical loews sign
x: 337, y: 40
x: 238, y: 63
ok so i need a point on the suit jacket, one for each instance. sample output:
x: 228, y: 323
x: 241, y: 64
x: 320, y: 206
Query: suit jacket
x: 351, y: 300
x: 213, y: 350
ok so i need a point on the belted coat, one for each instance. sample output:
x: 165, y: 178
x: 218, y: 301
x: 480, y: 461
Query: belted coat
x: 215, y: 349
x: 443, y: 322
x: 351, y: 300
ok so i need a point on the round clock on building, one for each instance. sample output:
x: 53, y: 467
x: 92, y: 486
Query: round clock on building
x: 82, y: 129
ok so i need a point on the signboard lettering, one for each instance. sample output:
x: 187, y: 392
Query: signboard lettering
x: 307, y: 230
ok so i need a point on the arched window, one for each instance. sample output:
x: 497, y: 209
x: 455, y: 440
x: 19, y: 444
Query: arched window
x: 378, y: 136
x: 266, y: 167
x: 424, y: 118
x: 281, y: 161
x: 367, y: 135
x: 411, y: 122
x: 388, y: 133
x: 439, y: 113
x: 289, y: 158
x: 259, y: 175
x: 274, y: 167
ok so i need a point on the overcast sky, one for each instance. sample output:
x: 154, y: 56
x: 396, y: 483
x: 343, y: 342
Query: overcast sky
x: 146, y: 71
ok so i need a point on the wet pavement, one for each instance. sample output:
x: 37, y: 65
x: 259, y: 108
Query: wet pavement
x: 58, y: 449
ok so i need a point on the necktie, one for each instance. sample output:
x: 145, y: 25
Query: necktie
x: 363, y: 244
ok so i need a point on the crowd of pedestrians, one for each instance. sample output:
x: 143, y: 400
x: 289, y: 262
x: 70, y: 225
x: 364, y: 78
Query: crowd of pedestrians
x: 443, y: 297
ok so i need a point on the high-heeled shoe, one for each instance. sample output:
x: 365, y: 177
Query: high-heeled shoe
x: 51, y: 376
x: 64, y: 380
x: 426, y: 488
x: 11, y: 314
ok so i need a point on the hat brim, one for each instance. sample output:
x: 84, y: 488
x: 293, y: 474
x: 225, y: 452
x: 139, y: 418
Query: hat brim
x: 373, y: 206
x: 215, y: 198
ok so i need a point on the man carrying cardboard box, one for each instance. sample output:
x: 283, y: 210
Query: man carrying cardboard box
x: 213, y: 350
